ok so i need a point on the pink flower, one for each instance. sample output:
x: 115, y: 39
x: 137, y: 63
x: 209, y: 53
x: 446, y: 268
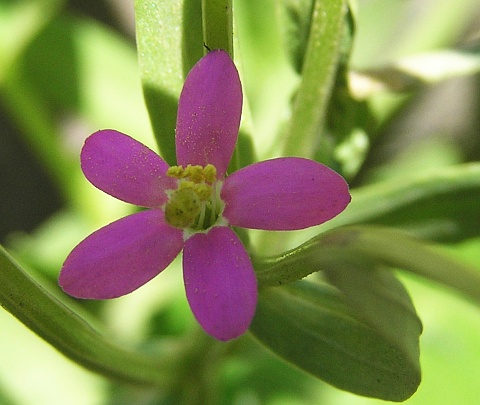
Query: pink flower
x: 193, y: 205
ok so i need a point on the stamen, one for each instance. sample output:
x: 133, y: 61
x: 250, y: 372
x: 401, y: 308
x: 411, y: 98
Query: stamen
x: 210, y: 173
x: 213, y: 211
x: 194, y: 203
x: 176, y: 172
x: 201, y: 217
x: 194, y: 173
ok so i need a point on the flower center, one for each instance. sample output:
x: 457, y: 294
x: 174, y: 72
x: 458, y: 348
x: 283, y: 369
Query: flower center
x: 196, y: 202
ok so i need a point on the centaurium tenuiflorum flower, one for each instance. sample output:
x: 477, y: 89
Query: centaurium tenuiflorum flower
x: 192, y: 206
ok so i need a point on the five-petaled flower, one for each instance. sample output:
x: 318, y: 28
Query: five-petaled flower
x: 193, y: 205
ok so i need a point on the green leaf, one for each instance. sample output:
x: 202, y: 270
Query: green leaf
x: 379, y: 299
x: 318, y: 75
x: 396, y: 28
x: 310, y: 326
x: 409, y: 72
x: 107, y: 95
x: 25, y: 19
x: 398, y: 250
x: 295, y: 22
x: 169, y: 41
x: 67, y: 68
x: 342, y: 248
x: 71, y: 335
x: 443, y: 205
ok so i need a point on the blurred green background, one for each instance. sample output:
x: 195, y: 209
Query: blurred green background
x: 68, y: 68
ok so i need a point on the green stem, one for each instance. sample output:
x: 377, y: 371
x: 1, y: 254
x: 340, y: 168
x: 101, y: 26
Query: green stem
x: 218, y: 24
x: 71, y: 335
x: 217, y: 19
x: 318, y: 74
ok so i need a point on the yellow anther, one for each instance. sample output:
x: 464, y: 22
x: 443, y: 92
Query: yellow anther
x: 210, y: 173
x: 176, y: 172
x: 194, y: 173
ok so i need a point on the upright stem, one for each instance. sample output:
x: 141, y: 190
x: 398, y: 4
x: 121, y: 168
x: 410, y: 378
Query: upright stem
x: 304, y: 135
x: 218, y: 24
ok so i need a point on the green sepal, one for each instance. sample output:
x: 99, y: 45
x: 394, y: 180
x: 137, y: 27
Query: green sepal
x: 310, y: 326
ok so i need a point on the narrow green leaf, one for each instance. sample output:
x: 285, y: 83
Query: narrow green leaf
x: 379, y: 246
x: 398, y: 250
x: 443, y: 205
x: 318, y: 75
x: 310, y: 326
x: 71, y: 335
x: 295, y: 22
x: 169, y: 42
x: 409, y: 72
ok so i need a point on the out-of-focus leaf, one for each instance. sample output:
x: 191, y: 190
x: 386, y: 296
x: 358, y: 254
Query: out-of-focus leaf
x: 295, y: 20
x: 169, y: 41
x: 391, y: 30
x: 70, y: 65
x: 64, y: 74
x: 318, y: 75
x: 28, y: 110
x: 341, y: 248
x: 310, y: 326
x: 20, y: 21
x: 268, y: 79
x: 71, y: 335
x: 415, y: 70
x: 443, y: 205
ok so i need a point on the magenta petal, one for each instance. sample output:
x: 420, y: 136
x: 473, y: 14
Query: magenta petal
x: 126, y: 169
x: 220, y: 283
x: 121, y: 257
x: 283, y: 194
x: 209, y: 111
